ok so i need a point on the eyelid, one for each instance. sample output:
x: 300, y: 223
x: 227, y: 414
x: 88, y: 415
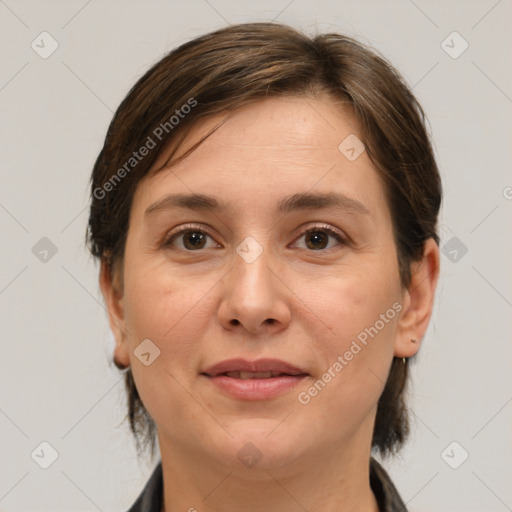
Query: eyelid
x: 335, y: 232
x: 320, y: 226
x: 168, y: 238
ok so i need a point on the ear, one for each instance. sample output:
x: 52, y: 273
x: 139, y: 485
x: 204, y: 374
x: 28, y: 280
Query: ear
x: 418, y: 301
x: 113, y: 296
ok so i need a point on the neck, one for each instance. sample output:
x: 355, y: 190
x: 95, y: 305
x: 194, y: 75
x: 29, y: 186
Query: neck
x: 338, y: 482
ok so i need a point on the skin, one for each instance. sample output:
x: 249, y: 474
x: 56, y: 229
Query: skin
x: 295, y: 302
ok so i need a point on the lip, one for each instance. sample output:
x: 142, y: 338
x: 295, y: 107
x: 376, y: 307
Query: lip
x: 254, y: 389
x: 261, y: 365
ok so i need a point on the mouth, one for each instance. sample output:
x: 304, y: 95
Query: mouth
x: 256, y: 380
x: 254, y: 375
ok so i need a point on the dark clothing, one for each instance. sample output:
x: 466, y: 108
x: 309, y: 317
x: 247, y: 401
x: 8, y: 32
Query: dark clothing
x: 151, y: 498
x: 384, y: 490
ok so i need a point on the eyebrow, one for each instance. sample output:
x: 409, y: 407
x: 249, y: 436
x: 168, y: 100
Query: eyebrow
x: 295, y: 202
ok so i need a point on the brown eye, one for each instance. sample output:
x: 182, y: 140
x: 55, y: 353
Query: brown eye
x: 317, y: 239
x: 194, y: 239
x: 191, y: 240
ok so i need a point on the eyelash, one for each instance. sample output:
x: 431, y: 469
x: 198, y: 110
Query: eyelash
x: 196, y: 228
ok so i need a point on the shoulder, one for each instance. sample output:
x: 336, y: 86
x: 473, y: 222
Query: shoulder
x: 386, y: 493
x: 150, y: 499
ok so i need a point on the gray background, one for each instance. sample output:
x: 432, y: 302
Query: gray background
x: 57, y: 383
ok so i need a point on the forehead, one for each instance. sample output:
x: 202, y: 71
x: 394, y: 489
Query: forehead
x: 303, y: 123
x: 268, y: 148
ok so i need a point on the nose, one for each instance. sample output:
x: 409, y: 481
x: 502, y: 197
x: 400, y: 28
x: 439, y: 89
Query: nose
x: 254, y: 297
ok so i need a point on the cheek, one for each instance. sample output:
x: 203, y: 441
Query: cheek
x: 356, y: 298
x: 168, y: 310
x: 361, y: 311
x: 148, y: 307
x: 171, y: 313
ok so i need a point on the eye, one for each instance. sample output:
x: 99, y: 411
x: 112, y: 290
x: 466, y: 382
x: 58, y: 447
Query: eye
x: 192, y: 237
x: 317, y: 238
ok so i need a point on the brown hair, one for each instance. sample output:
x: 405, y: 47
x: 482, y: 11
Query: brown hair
x: 223, y: 70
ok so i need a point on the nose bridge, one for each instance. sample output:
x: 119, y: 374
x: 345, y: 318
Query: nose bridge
x: 252, y: 296
x: 252, y: 265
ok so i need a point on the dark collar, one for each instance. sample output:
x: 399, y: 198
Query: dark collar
x: 384, y: 490
x: 151, y: 498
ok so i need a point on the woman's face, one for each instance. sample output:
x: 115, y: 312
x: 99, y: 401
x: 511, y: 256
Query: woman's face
x: 299, y: 268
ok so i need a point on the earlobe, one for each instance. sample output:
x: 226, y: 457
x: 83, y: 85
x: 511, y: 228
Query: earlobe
x: 113, y: 296
x: 418, y: 301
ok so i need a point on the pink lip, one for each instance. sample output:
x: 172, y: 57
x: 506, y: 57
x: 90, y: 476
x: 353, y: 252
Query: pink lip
x: 261, y: 365
x: 254, y: 389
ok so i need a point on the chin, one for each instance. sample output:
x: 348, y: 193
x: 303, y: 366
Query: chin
x: 258, y: 444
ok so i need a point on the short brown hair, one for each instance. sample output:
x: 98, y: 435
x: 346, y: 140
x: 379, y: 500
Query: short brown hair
x: 226, y: 69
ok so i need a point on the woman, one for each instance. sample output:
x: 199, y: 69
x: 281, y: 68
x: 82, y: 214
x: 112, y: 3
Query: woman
x: 264, y: 210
